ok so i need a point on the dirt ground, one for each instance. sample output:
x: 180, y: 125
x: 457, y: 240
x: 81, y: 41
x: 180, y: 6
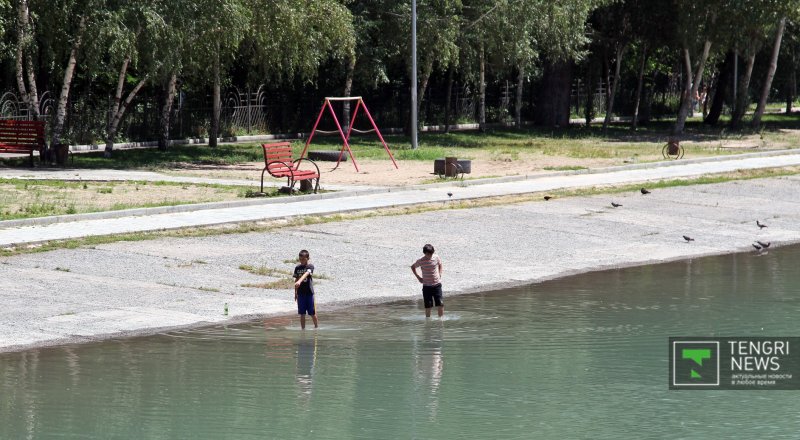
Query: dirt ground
x: 501, y: 162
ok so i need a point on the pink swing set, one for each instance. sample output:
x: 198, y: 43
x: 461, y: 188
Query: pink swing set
x: 346, y: 137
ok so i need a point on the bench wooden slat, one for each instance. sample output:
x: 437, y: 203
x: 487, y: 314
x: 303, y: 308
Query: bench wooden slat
x: 15, y: 134
x: 272, y: 155
x: 21, y: 136
x: 10, y: 133
x: 286, y: 152
x: 280, y: 164
x: 282, y: 151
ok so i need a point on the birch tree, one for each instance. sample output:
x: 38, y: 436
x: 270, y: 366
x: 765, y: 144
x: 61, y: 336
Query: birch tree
x: 697, y: 24
x: 128, y: 37
x: 773, y: 66
x: 215, y: 29
x: 24, y: 51
x: 750, y: 24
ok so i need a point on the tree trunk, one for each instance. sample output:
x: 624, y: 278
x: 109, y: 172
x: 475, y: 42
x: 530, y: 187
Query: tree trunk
x: 23, y: 37
x: 213, y: 134
x: 482, y: 92
x: 20, y: 74
x: 721, y: 90
x: 518, y: 102
x: 792, y: 85
x: 61, y: 108
x: 33, y: 93
x: 111, y: 129
x: 646, y: 110
x: 348, y: 88
x: 610, y: 103
x: 448, y: 99
x: 692, y: 85
x: 773, y: 66
x: 119, y: 107
x: 639, y: 85
x: 686, y: 96
x: 423, y: 83
x: 591, y: 79
x: 166, y: 111
x: 606, y: 76
x: 552, y: 107
x: 114, y: 126
x: 742, y: 97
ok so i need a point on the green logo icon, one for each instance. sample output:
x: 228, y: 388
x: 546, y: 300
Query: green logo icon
x: 698, y: 355
x: 694, y: 362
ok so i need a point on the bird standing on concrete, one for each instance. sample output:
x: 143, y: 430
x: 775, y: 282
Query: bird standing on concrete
x: 764, y: 245
x: 688, y: 239
x: 644, y: 191
x: 616, y: 205
x: 449, y: 194
x: 760, y: 225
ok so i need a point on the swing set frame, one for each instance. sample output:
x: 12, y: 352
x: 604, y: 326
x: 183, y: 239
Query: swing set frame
x: 346, y: 137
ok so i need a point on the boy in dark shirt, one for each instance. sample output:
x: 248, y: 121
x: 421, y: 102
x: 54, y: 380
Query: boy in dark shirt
x: 304, y: 289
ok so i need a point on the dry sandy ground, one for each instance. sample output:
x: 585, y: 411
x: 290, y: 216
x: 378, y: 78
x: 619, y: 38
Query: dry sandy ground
x: 509, y: 162
x: 381, y: 172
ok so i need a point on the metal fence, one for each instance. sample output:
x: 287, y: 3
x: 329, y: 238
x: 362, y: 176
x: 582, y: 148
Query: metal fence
x: 273, y: 109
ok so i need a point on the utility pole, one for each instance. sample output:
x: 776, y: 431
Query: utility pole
x: 414, y: 74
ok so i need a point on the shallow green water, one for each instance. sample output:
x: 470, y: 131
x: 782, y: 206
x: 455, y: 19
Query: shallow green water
x: 582, y: 357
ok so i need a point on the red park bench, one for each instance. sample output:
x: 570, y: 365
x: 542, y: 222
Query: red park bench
x: 278, y: 162
x: 22, y: 137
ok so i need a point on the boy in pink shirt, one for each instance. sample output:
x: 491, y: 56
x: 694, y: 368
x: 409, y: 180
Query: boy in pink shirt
x: 431, y: 267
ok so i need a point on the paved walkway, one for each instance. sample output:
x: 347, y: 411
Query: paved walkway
x: 105, y: 175
x: 299, y: 206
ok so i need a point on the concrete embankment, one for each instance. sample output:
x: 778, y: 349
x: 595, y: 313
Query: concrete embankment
x: 144, y: 287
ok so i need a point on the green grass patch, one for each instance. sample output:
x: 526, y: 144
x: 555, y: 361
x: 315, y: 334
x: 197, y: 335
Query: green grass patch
x: 266, y: 271
x: 281, y: 284
x: 151, y: 158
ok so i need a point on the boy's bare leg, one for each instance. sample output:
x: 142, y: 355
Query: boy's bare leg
x: 303, y: 322
x: 427, y: 312
x: 314, y: 318
x: 441, y: 311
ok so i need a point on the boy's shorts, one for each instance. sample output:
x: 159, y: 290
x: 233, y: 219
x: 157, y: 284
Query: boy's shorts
x: 305, y: 304
x: 431, y: 295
